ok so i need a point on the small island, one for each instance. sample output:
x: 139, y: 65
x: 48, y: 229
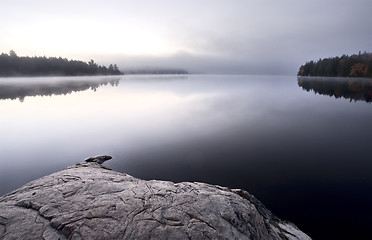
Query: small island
x: 357, y: 65
x: 13, y: 65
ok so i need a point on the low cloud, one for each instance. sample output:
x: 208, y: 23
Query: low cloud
x: 214, y: 64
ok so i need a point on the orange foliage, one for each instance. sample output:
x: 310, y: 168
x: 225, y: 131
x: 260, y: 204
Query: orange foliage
x: 358, y: 70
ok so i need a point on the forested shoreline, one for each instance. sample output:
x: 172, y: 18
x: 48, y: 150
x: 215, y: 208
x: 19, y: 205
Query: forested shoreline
x: 357, y: 65
x: 13, y: 65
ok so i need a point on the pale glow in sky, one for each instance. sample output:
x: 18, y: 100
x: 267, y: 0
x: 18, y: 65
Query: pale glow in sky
x: 80, y: 37
x: 258, y: 36
x: 132, y: 41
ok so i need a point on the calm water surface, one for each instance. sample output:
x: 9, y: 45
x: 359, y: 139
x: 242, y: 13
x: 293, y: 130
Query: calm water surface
x: 301, y: 146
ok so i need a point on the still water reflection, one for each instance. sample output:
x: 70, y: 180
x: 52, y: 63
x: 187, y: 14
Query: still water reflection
x: 19, y: 88
x: 305, y: 155
x: 357, y: 89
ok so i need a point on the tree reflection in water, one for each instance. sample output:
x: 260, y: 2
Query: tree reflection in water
x: 26, y: 87
x: 357, y: 89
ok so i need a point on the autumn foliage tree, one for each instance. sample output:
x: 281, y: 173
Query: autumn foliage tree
x: 358, y: 70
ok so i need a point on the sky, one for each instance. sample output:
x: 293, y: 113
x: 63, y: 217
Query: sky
x: 201, y: 36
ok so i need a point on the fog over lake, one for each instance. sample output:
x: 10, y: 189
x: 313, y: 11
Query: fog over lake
x: 301, y: 146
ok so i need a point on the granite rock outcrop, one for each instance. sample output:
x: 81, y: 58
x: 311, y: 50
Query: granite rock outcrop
x: 87, y: 201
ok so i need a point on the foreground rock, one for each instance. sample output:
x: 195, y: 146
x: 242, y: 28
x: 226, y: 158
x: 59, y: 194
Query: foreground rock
x: 87, y: 201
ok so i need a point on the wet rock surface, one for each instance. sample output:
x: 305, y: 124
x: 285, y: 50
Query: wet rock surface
x: 87, y: 201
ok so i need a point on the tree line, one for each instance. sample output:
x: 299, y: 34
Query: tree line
x: 357, y: 65
x: 13, y: 65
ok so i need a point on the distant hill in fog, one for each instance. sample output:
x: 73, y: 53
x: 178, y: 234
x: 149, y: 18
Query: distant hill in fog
x: 155, y: 71
x: 13, y: 65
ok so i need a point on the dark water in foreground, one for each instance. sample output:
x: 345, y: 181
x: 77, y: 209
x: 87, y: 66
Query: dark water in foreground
x: 303, y: 147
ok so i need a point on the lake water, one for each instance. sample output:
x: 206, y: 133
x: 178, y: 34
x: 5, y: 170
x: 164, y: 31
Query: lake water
x: 301, y: 146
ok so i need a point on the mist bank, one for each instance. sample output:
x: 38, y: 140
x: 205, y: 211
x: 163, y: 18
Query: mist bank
x: 195, y: 63
x: 155, y: 71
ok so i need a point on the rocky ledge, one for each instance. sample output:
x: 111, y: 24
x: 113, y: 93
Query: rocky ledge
x: 87, y: 201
